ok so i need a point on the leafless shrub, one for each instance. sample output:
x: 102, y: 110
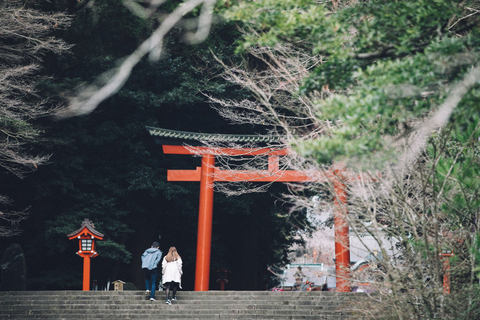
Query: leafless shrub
x: 9, y: 220
x: 26, y: 36
x: 275, y: 100
x: 411, y: 207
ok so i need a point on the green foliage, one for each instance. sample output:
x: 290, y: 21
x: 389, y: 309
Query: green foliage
x: 476, y: 252
x: 387, y: 62
x: 276, y: 21
x: 114, y: 251
x: 13, y: 269
x: 106, y: 28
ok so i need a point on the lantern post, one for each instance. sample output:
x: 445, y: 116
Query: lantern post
x: 222, y: 274
x: 86, y: 236
x: 445, y: 254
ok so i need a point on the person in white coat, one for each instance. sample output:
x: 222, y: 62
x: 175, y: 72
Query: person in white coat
x: 172, y: 273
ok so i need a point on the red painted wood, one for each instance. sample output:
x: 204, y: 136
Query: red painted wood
x: 86, y: 273
x: 446, y: 276
x: 238, y: 175
x: 342, y: 237
x: 271, y: 175
x: 84, y: 233
x: 273, y: 163
x: 205, y: 216
x: 184, y: 175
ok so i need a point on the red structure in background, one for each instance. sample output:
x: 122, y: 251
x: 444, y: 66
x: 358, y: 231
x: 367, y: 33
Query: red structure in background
x: 86, y: 236
x: 208, y: 174
x: 445, y: 255
x: 222, y: 277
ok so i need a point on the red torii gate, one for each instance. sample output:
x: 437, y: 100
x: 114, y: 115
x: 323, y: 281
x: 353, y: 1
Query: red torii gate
x: 208, y: 174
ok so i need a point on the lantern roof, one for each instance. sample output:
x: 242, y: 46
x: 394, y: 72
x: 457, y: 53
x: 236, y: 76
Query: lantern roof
x: 167, y: 136
x: 222, y: 269
x: 86, y: 228
x: 119, y: 281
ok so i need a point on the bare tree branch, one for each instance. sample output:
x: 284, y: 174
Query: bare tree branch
x: 440, y: 117
x: 90, y: 97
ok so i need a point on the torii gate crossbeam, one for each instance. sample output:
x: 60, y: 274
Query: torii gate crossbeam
x: 208, y: 174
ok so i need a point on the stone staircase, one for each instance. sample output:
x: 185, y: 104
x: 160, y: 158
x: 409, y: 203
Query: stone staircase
x: 190, y: 305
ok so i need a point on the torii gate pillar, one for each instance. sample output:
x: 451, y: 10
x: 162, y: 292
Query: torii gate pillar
x: 342, y: 237
x: 205, y: 216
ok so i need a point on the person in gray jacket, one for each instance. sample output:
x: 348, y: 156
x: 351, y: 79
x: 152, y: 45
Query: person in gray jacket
x: 150, y: 259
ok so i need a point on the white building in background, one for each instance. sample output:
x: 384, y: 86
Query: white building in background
x: 317, y: 256
x: 314, y: 272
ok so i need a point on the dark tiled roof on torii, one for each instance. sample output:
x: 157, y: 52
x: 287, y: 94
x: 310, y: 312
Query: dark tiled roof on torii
x: 89, y: 226
x: 210, y: 137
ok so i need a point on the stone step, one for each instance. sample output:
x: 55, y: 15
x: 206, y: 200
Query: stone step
x: 186, y: 293
x: 186, y: 317
x: 228, y: 305
x: 181, y: 299
x: 156, y: 304
x: 220, y: 294
x: 168, y: 315
x: 179, y: 316
x: 184, y: 296
x: 152, y: 305
x: 172, y: 311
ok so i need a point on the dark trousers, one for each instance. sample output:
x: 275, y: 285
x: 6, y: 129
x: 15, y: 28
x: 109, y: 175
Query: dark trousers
x: 170, y: 286
x: 150, y: 280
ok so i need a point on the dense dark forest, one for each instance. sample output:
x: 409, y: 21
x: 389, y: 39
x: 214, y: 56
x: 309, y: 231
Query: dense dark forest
x: 105, y: 167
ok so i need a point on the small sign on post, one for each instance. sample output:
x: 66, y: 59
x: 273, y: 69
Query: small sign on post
x: 118, y: 285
